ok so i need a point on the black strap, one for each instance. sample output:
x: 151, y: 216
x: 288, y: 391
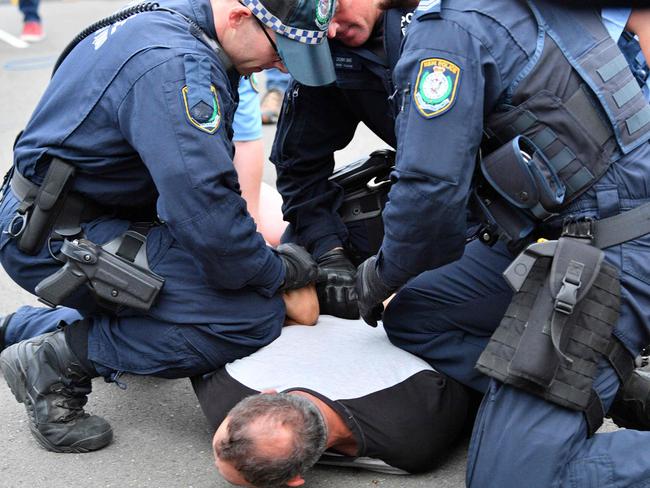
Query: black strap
x: 594, y: 413
x: 621, y: 228
x: 620, y: 359
x: 133, y: 240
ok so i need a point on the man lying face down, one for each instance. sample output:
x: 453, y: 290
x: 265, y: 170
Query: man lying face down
x: 337, y: 392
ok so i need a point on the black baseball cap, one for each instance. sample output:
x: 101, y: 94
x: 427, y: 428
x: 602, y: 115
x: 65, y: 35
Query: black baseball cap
x: 301, y: 36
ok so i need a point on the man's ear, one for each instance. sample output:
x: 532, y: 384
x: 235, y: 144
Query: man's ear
x: 269, y: 392
x: 237, y: 15
x: 297, y: 480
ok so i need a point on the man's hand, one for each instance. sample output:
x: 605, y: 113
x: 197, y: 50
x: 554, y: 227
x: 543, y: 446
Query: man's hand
x: 336, y: 285
x: 300, y: 268
x: 372, y: 291
x: 301, y: 306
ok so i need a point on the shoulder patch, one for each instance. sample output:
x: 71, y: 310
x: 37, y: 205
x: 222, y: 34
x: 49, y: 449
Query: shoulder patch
x: 199, y: 94
x: 435, y: 87
x: 204, y: 116
x: 428, y: 9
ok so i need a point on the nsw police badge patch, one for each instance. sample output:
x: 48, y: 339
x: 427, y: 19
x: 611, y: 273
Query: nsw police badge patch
x: 324, y: 11
x: 203, y: 115
x: 435, y: 87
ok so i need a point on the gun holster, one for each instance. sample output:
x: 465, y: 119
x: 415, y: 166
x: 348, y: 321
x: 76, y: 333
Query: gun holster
x: 365, y: 184
x: 117, y: 273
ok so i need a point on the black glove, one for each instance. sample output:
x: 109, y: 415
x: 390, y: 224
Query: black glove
x: 336, y: 285
x: 372, y: 291
x: 300, y: 268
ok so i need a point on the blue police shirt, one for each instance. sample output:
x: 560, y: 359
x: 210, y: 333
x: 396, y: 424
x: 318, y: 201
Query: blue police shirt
x: 455, y: 68
x: 247, y: 124
x: 316, y: 121
x: 143, y: 110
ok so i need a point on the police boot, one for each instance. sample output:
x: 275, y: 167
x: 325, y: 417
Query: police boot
x: 45, y: 375
x: 631, y: 407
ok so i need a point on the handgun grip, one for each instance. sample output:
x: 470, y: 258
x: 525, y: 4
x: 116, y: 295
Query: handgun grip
x: 55, y: 288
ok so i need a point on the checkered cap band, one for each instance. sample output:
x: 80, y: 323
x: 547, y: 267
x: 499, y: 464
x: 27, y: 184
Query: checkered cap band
x: 272, y: 22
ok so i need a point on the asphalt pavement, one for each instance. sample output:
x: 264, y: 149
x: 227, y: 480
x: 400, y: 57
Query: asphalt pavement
x: 161, y: 437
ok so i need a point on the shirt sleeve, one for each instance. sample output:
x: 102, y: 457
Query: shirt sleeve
x: 615, y: 20
x: 441, y: 77
x: 190, y: 163
x: 315, y: 122
x: 247, y: 124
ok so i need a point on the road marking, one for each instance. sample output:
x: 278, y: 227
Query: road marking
x: 30, y: 64
x: 12, y: 40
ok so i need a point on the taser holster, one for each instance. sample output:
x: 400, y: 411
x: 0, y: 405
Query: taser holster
x: 559, y: 325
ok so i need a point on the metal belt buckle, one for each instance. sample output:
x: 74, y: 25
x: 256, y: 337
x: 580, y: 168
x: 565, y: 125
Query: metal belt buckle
x: 581, y: 228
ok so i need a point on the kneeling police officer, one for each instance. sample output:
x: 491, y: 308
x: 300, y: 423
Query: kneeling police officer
x: 529, y: 113
x: 317, y: 121
x: 124, y: 205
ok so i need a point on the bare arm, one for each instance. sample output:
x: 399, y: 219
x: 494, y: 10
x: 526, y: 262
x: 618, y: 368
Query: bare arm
x: 302, y: 306
x: 639, y: 24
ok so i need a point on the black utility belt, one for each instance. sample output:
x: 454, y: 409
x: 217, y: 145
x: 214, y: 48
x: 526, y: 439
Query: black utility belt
x: 117, y: 273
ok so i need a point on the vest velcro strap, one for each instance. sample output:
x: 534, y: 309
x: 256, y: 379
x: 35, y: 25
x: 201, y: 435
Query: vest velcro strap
x: 562, y: 159
x: 544, y: 138
x: 627, y: 93
x: 639, y: 120
x: 612, y: 68
x: 579, y: 180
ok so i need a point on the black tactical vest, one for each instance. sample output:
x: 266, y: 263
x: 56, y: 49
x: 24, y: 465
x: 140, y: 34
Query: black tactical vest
x: 577, y: 99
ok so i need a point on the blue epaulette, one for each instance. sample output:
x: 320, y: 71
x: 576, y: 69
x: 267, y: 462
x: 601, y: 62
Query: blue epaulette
x: 428, y: 9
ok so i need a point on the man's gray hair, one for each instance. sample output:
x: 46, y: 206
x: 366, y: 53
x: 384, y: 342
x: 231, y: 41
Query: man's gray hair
x: 295, y: 412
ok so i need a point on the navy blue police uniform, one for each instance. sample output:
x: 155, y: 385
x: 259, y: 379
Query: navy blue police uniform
x: 122, y: 110
x: 464, y: 65
x: 317, y: 121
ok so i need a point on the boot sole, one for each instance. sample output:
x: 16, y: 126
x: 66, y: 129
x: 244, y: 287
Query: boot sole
x: 87, y: 445
x: 14, y: 374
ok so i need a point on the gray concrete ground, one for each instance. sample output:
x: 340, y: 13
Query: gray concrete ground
x: 161, y: 437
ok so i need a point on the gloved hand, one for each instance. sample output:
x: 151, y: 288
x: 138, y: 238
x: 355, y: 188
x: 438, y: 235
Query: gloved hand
x: 372, y: 291
x: 335, y: 286
x: 300, y: 268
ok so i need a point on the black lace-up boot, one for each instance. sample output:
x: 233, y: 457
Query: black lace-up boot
x: 45, y: 375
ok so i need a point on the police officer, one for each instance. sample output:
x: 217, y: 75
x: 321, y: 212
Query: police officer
x: 317, y: 121
x: 548, y: 96
x: 136, y: 126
